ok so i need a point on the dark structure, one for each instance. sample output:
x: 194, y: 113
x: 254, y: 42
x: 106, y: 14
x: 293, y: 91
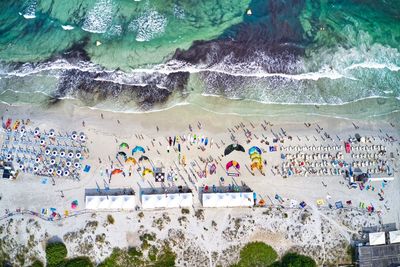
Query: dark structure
x: 379, y: 256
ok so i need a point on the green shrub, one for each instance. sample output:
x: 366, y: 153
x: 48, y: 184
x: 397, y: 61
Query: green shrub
x: 297, y: 260
x: 110, y: 219
x: 78, y: 262
x: 257, y: 254
x: 165, y: 258
x: 37, y: 263
x: 55, y: 253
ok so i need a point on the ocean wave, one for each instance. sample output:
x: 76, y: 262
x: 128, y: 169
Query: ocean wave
x: 148, y: 26
x: 99, y: 18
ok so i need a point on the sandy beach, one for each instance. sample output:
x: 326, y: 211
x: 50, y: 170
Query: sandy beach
x: 323, y: 232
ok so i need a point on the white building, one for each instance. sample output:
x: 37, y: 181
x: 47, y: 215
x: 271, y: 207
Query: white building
x: 232, y: 199
x: 394, y: 237
x: 377, y: 238
x: 110, y: 202
x: 168, y: 200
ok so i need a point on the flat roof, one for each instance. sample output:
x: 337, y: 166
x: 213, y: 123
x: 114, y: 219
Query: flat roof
x: 379, y: 256
x: 377, y: 238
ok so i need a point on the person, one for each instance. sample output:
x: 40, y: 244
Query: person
x: 158, y: 129
x: 102, y: 116
x: 83, y: 123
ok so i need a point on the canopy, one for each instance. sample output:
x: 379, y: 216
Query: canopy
x: 232, y: 163
x: 229, y: 149
x: 116, y: 171
x: 255, y: 149
x: 147, y: 171
x: 131, y: 160
x: 124, y: 145
x: 138, y: 149
x: 394, y: 236
x: 124, y: 202
x: 169, y: 200
x: 377, y: 238
x: 234, y: 199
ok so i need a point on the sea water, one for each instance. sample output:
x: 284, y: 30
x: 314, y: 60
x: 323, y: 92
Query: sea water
x: 333, y: 58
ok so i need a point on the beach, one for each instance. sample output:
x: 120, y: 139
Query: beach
x: 332, y: 228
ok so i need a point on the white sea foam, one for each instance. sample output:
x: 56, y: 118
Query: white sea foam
x: 148, y: 26
x: 373, y: 65
x: 30, y: 10
x: 67, y: 27
x: 99, y: 18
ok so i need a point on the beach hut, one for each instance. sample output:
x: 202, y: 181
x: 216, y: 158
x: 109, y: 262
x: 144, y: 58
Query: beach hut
x: 228, y: 199
x: 167, y: 200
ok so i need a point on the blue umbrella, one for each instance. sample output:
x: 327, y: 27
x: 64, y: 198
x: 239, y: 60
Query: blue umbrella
x: 138, y: 149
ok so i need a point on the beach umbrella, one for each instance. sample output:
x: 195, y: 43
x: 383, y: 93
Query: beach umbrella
x: 21, y: 166
x: 82, y: 136
x: 131, y: 160
x: 116, y: 171
x: 35, y: 168
x: 9, y: 156
x: 77, y: 165
x: 256, y: 165
x: 78, y: 155
x: 66, y: 173
x: 255, y: 149
x: 138, y: 149
x: 59, y: 172
x: 52, y: 133
x: 52, y: 161
x: 37, y: 159
x: 47, y: 151
x: 261, y: 202
x: 122, y: 154
x: 50, y: 171
x: 234, y: 164
x: 68, y: 163
x: 54, y: 153
x: 22, y: 130
x: 124, y: 145
x: 70, y: 154
x: 147, y: 171
x: 62, y: 153
x: 42, y: 142
x: 74, y: 135
x: 229, y: 149
x: 36, y: 132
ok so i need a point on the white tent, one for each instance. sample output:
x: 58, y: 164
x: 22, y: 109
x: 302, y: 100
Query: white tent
x: 169, y: 200
x: 394, y: 236
x: 377, y: 238
x: 123, y: 202
x: 234, y: 199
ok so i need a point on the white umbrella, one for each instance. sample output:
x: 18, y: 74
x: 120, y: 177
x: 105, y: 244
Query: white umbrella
x: 77, y: 165
x: 52, y: 161
x: 54, y: 153
x: 78, y: 155
x: 50, y: 171
x: 74, y: 136
x: 59, y: 172
x: 42, y: 142
x: 62, y: 153
x: 70, y: 154
x: 68, y: 163
x: 37, y: 131
x: 82, y: 136
x: 37, y: 159
x: 47, y: 151
x: 35, y: 168
x: 52, y: 133
x: 66, y: 173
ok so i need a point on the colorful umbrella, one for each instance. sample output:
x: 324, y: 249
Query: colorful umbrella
x: 232, y: 163
x: 138, y: 149
x: 146, y: 171
x: 124, y: 145
x: 131, y: 160
x: 255, y: 149
x: 116, y: 171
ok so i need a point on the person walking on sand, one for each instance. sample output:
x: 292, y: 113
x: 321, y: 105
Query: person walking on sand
x: 158, y: 129
x: 83, y: 123
x: 102, y: 116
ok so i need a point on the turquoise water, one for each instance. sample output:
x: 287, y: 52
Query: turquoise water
x: 152, y: 54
